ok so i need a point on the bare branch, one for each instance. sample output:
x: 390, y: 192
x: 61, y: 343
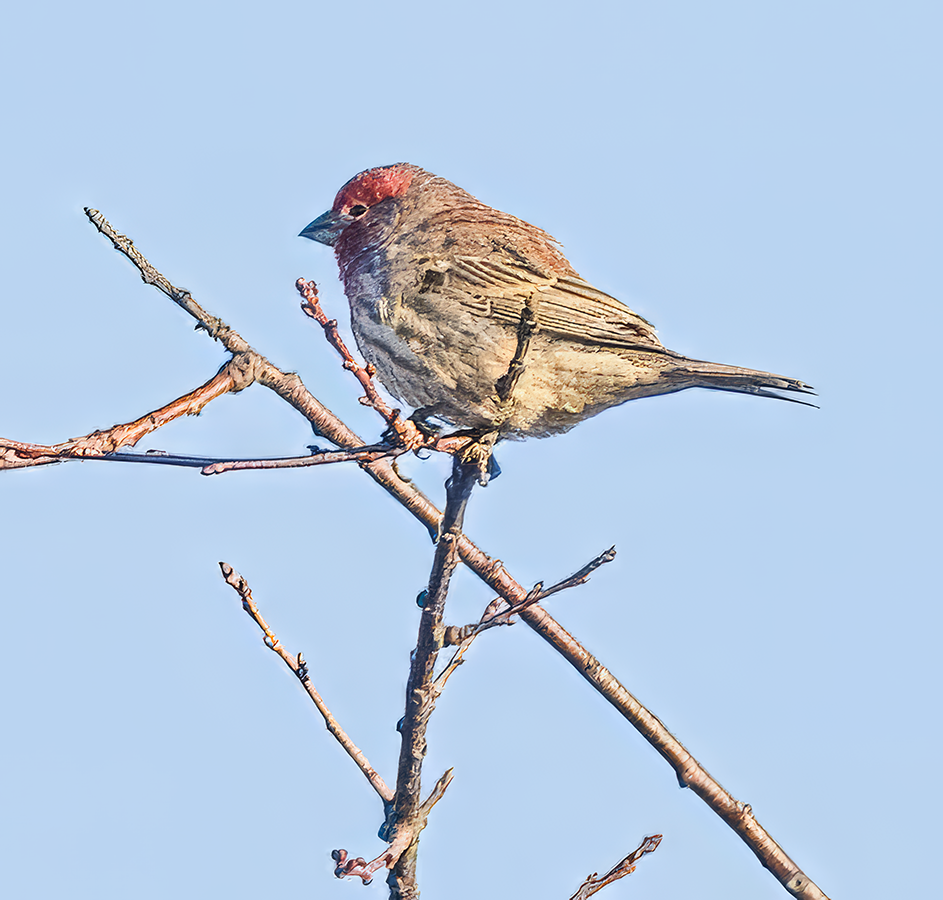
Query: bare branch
x: 582, y: 576
x: 625, y: 867
x: 290, y: 387
x: 16, y: 455
x: 213, y: 465
x: 500, y: 612
x: 690, y: 773
x: 320, y: 458
x: 300, y: 668
x: 404, y: 429
x: 214, y: 327
x: 21, y: 455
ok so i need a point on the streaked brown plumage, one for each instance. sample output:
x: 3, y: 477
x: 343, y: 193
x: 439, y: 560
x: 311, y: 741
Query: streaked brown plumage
x: 437, y: 282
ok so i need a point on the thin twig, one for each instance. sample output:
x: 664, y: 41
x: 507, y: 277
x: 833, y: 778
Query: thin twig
x: 404, y: 429
x: 582, y: 575
x: 300, y: 668
x: 214, y: 465
x: 500, y: 612
x: 214, y: 327
x: 320, y: 458
x: 622, y: 868
x: 463, y: 638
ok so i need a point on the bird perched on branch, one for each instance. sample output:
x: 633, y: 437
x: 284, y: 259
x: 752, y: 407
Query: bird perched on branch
x: 474, y: 316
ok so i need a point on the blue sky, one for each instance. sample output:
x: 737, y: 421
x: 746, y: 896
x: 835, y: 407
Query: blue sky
x: 762, y: 181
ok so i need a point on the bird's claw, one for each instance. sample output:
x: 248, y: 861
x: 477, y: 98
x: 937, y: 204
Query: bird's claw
x: 478, y: 453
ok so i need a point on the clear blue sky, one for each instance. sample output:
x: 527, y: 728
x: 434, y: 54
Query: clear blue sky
x: 760, y: 180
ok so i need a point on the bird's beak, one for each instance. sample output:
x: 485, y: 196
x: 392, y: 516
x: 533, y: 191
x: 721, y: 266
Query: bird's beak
x: 325, y: 229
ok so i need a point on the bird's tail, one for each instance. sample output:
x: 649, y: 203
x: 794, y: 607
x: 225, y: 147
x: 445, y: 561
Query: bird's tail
x: 718, y: 377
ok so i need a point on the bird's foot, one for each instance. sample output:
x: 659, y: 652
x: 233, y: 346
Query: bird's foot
x: 479, y: 452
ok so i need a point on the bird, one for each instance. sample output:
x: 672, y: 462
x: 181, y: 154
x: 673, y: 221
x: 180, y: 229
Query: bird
x: 475, y: 317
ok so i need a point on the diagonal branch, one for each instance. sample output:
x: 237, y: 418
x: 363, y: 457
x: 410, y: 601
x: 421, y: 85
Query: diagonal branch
x: 214, y: 327
x: 739, y: 816
x: 500, y: 612
x: 405, y: 430
x: 622, y: 868
x: 300, y: 669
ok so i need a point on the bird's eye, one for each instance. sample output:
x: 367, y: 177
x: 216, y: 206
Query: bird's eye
x: 357, y: 211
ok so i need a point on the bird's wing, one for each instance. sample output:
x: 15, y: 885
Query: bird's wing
x: 566, y: 305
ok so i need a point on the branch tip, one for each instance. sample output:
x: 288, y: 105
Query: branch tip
x: 622, y: 868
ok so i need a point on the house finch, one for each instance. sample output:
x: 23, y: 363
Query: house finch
x: 474, y: 316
